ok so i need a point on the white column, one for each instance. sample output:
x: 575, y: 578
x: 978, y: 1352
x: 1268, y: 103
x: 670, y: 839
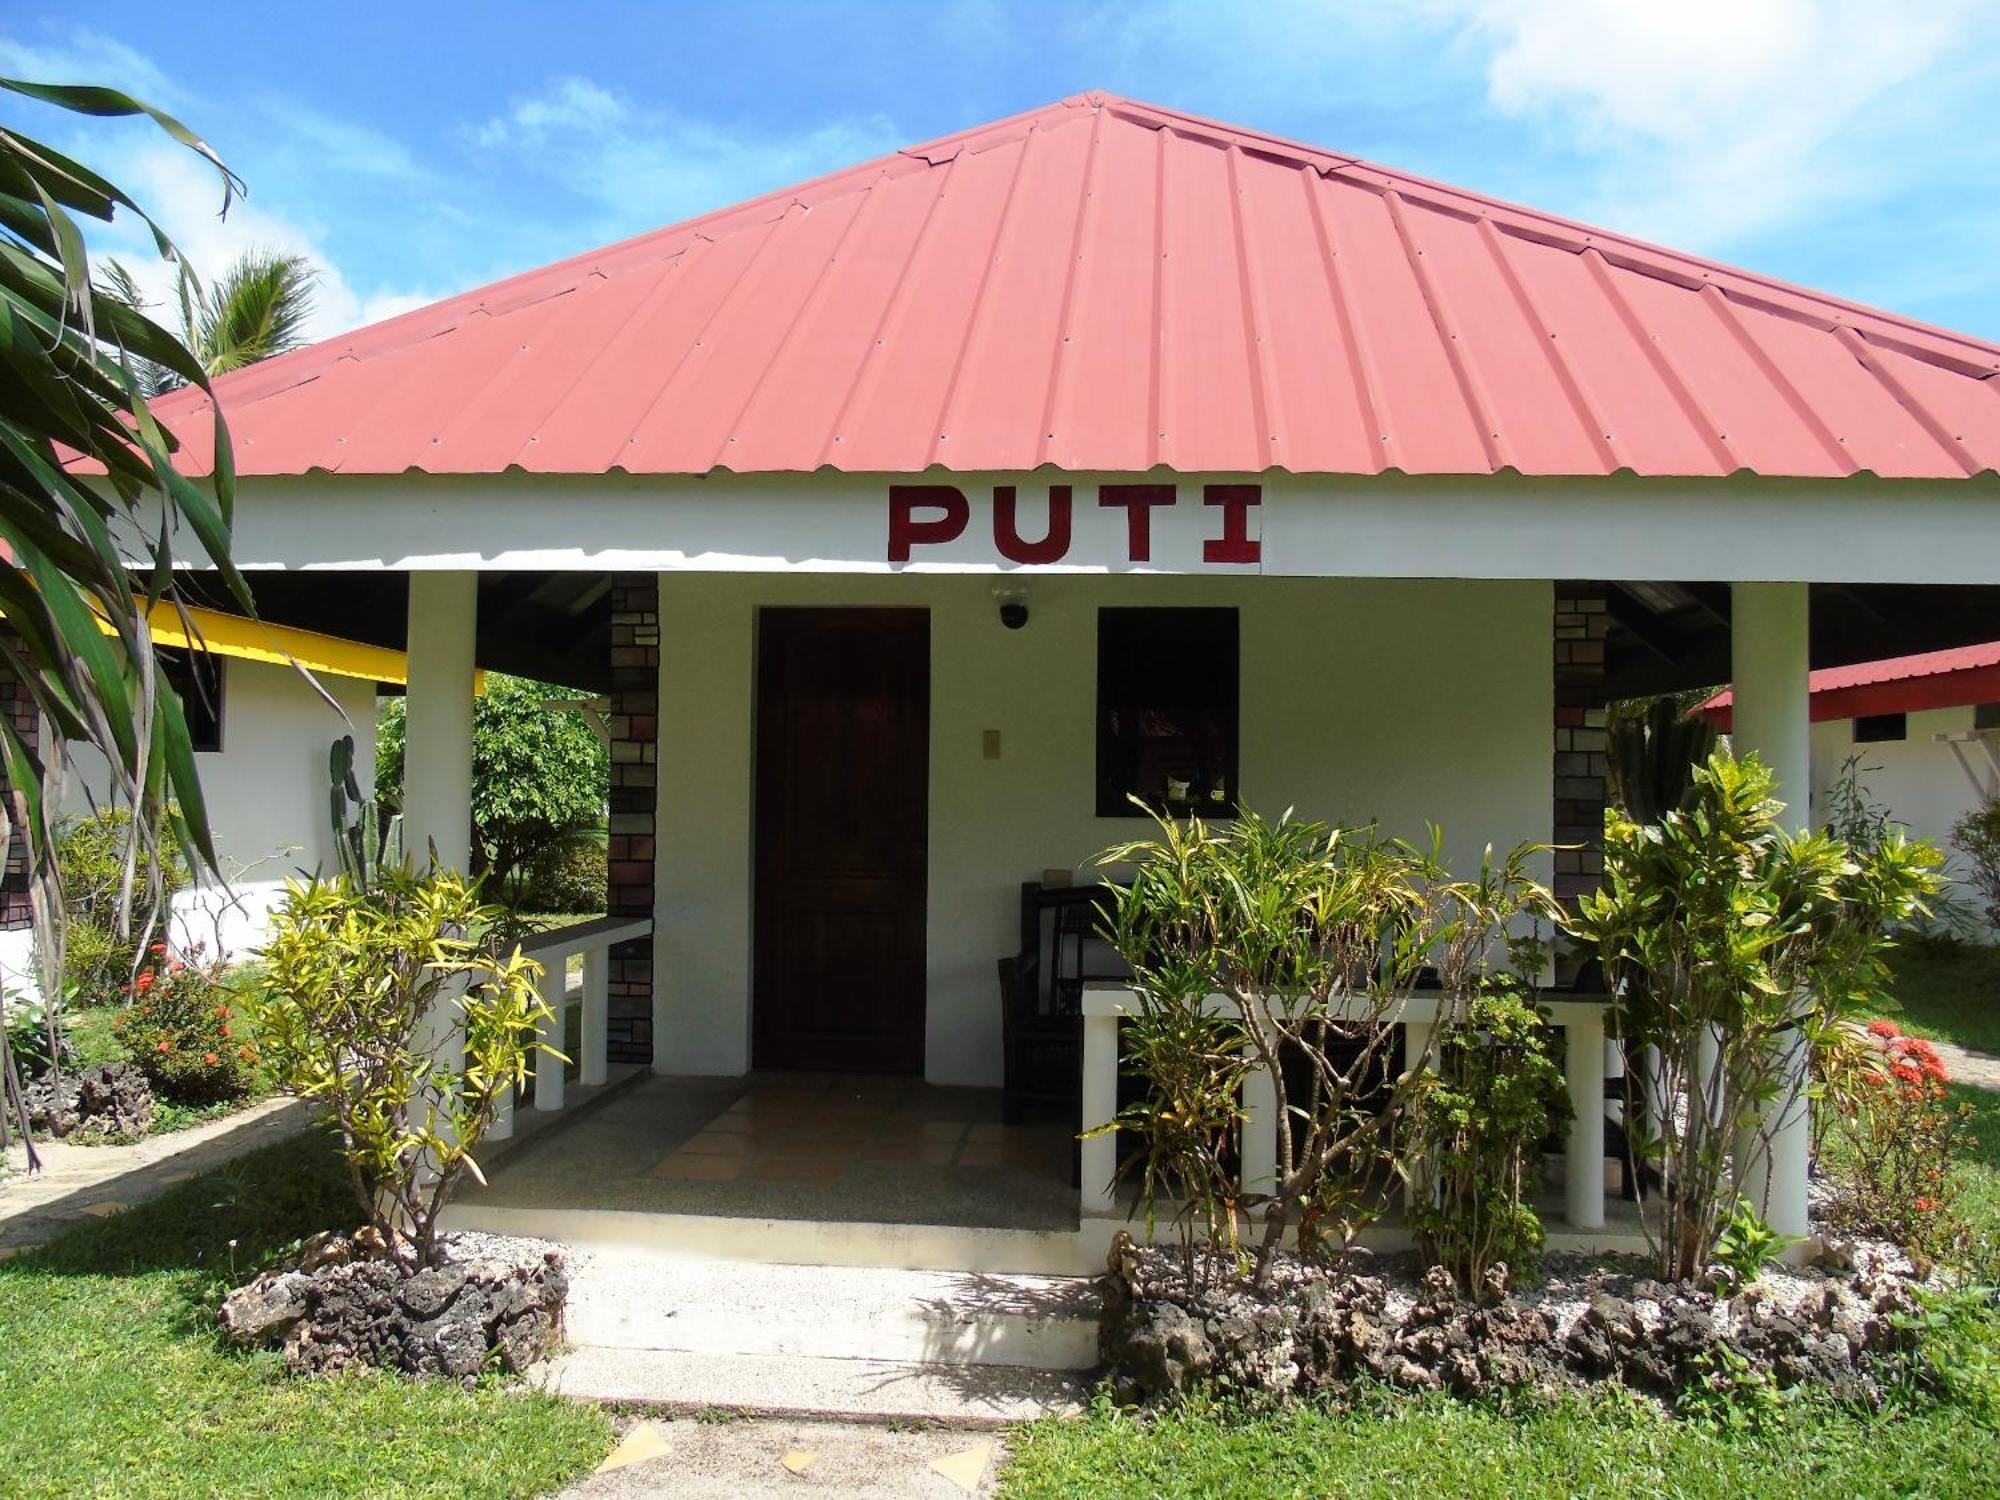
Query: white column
x: 437, y: 766
x: 1583, y: 1157
x: 1416, y: 1054
x: 1257, y: 1144
x: 1770, y: 653
x: 1770, y: 661
x: 594, y: 1066
x: 437, y: 730
x: 554, y: 989
x: 1100, y: 1103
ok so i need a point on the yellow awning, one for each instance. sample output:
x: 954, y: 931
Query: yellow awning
x: 223, y: 634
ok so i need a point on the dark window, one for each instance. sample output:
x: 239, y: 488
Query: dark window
x: 197, y: 677
x: 1986, y: 716
x: 1877, y: 729
x: 1166, y: 711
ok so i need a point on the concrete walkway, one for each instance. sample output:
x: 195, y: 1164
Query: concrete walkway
x: 680, y: 1335
x: 740, y: 1460
x: 1978, y: 1069
x: 83, y: 1182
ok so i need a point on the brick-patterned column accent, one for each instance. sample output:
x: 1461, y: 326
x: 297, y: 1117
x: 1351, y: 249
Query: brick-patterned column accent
x: 1581, y: 620
x: 15, y: 910
x: 635, y: 705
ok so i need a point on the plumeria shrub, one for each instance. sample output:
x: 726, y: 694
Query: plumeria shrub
x: 1288, y: 949
x: 1905, y: 1138
x: 361, y: 984
x: 1730, y: 944
x: 183, y: 1032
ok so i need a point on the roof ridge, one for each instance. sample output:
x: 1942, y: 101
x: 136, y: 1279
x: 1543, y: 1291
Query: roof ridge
x: 1927, y: 342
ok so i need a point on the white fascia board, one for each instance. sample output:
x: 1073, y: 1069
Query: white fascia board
x: 1860, y: 530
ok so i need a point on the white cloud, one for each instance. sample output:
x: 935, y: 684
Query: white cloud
x: 1703, y: 123
x: 647, y: 166
x: 183, y: 193
x: 1715, y: 119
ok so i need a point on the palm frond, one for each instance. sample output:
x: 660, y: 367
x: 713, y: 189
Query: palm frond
x: 90, y: 502
x: 257, y: 308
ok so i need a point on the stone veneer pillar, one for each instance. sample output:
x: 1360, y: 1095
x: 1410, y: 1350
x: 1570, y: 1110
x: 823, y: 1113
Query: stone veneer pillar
x: 1581, y: 621
x: 634, y: 701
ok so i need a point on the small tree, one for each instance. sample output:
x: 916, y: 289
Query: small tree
x: 539, y: 775
x: 356, y: 979
x: 1730, y: 943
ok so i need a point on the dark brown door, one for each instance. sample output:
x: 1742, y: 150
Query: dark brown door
x: 843, y: 791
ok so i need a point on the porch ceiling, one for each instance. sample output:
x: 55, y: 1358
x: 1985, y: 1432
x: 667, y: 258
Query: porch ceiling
x: 1666, y: 635
x: 555, y: 627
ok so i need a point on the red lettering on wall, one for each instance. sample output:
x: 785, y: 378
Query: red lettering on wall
x: 1007, y: 540
x: 1235, y: 545
x: 906, y: 531
x: 1138, y: 501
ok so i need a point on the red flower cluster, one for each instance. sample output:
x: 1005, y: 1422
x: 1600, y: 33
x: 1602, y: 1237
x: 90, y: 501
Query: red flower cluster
x: 1912, y: 1065
x: 1907, y: 1139
x: 179, y: 1030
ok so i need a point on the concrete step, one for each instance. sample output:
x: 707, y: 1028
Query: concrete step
x: 632, y: 1301
x: 806, y: 1386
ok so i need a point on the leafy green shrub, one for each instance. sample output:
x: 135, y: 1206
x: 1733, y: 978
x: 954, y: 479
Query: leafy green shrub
x: 1745, y: 1245
x: 31, y: 1041
x: 1730, y: 943
x: 358, y: 981
x: 1313, y: 937
x: 1477, y: 1127
x: 568, y: 876
x: 1977, y: 837
x: 183, y: 1033
x: 539, y: 775
x: 90, y: 855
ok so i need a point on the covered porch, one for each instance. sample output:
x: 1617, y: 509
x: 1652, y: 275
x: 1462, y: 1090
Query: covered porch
x: 1474, y: 702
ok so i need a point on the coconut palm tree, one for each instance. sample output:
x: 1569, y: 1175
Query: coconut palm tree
x: 259, y: 307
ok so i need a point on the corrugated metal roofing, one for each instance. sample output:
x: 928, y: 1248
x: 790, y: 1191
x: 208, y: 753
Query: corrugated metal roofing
x: 1925, y: 665
x: 1107, y: 285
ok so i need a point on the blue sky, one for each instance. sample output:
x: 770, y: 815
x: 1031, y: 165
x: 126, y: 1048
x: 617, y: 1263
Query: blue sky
x: 419, y: 149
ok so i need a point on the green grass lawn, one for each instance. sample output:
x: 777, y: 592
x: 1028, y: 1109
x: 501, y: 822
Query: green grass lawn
x: 113, y: 1380
x: 1438, y: 1447
x: 1949, y: 994
x: 1607, y: 1443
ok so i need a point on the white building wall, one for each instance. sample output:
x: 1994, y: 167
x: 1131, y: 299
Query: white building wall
x: 1917, y: 779
x: 266, y: 790
x: 1402, y: 701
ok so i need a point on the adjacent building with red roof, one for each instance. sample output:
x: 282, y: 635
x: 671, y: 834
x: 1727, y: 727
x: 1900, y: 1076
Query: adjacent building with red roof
x: 1920, y: 734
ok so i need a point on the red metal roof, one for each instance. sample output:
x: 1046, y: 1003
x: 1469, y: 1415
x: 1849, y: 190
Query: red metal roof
x: 1107, y: 285
x: 1896, y: 684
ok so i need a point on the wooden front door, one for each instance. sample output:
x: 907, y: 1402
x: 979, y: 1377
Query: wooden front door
x: 843, y: 792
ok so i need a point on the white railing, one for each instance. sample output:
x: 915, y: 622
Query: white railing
x: 1582, y: 1018
x: 553, y: 950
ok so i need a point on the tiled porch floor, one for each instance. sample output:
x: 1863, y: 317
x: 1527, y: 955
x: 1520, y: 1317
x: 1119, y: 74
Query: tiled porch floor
x: 799, y: 1146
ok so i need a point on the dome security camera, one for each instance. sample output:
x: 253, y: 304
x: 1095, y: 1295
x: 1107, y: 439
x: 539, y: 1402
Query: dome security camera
x: 1013, y: 614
